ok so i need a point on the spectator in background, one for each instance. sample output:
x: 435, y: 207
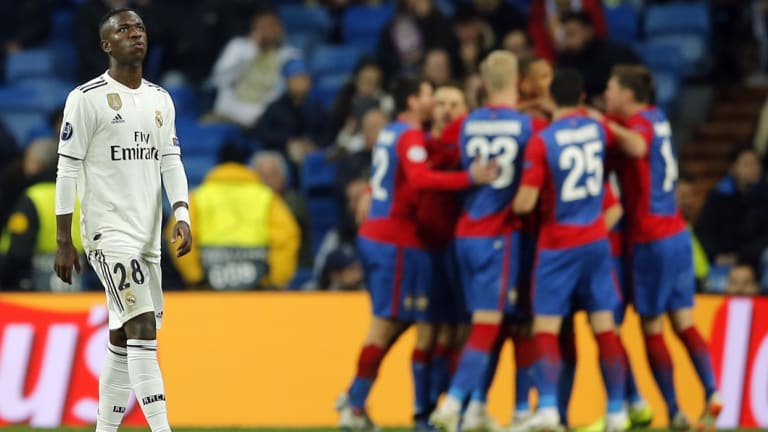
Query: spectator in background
x: 687, y: 203
x: 436, y: 66
x: 416, y: 27
x: 547, y: 26
x: 475, y: 38
x: 342, y: 271
x: 236, y: 246
x: 732, y: 224
x: 272, y: 169
x: 583, y: 50
x: 356, y: 161
x: 362, y: 92
x: 500, y: 16
x: 25, y: 24
x: 536, y: 76
x: 247, y: 73
x: 28, y: 242
x: 11, y: 176
x: 742, y: 281
x: 518, y: 43
x: 293, y: 124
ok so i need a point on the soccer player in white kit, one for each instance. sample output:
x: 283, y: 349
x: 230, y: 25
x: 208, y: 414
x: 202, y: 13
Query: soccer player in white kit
x: 117, y: 149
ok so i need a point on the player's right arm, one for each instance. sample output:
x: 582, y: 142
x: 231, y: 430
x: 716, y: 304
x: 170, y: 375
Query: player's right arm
x: 534, y: 173
x: 76, y: 133
x: 412, y: 152
x: 633, y: 142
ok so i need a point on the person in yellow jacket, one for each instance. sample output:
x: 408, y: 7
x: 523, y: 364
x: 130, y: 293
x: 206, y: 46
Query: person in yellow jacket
x: 246, y: 237
x: 28, y: 241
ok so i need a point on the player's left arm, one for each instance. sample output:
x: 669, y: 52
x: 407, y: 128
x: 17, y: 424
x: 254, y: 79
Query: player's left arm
x: 533, y: 177
x: 412, y: 152
x: 175, y: 183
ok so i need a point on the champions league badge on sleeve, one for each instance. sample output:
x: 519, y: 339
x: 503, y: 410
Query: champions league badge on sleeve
x: 66, y: 131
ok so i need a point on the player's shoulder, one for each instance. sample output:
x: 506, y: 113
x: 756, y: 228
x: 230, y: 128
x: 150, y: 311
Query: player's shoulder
x: 92, y: 85
x: 155, y: 87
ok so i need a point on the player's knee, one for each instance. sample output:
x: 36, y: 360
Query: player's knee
x: 141, y: 327
x: 602, y: 321
x: 652, y: 325
x: 425, y: 335
x: 682, y: 320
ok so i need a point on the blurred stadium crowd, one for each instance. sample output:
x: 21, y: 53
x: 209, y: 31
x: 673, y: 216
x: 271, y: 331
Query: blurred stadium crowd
x: 291, y: 95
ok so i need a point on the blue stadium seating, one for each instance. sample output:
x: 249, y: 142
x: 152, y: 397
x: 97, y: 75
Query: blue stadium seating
x: 692, y: 48
x: 302, y: 276
x: 677, y: 18
x: 362, y: 25
x: 327, y: 88
x: 667, y: 88
x: 63, y: 25
x: 662, y: 56
x: 21, y: 124
x: 303, y: 19
x: 318, y: 177
x: 333, y: 60
x: 205, y: 140
x: 623, y: 24
x: 305, y: 41
x: 197, y: 167
x: 30, y: 63
x: 184, y: 99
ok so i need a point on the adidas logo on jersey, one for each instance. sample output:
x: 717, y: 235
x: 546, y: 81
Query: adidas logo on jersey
x: 118, y: 119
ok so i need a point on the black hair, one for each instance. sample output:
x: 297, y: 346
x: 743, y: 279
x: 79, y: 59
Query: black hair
x: 525, y: 63
x: 233, y: 151
x: 636, y: 78
x: 403, y: 88
x: 581, y: 17
x: 567, y: 87
x: 112, y: 13
x: 264, y: 11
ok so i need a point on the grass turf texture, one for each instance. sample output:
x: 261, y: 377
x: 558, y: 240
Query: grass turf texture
x: 90, y: 429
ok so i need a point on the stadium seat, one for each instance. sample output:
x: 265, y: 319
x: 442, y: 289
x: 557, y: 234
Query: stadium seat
x: 362, y: 25
x: 305, y: 19
x: 318, y: 182
x: 21, y: 124
x: 304, y: 41
x: 302, y: 276
x: 205, y: 140
x: 184, y: 99
x: 30, y: 63
x: 678, y: 18
x: 317, y: 174
x: 524, y: 6
x: 63, y: 25
x: 667, y: 88
x: 324, y: 211
x: 692, y: 48
x: 327, y: 88
x: 333, y: 60
x: 662, y: 56
x: 622, y: 23
x: 197, y: 167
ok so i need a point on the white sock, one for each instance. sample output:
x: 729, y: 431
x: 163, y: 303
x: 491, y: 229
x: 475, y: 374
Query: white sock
x: 114, y: 389
x: 147, y: 382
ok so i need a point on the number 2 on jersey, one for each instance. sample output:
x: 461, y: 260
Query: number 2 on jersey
x: 380, y: 166
x: 578, y: 161
x: 504, y: 149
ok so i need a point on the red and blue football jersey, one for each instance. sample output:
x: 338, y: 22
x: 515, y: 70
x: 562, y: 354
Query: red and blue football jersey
x: 648, y: 183
x: 400, y: 173
x: 565, y: 162
x: 501, y: 134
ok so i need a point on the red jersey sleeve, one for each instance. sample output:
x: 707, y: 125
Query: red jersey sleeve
x: 609, y: 197
x: 452, y: 131
x: 610, y: 138
x: 535, y: 165
x: 643, y: 127
x: 538, y: 124
x: 412, y: 153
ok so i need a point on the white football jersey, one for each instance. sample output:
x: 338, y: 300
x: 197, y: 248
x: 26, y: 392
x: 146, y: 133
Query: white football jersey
x: 121, y: 135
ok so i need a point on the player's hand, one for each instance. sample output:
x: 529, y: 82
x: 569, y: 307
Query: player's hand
x: 182, y: 232
x: 66, y: 257
x: 484, y: 173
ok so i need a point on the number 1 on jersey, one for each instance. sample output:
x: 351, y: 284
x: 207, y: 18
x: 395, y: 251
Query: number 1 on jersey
x: 670, y: 166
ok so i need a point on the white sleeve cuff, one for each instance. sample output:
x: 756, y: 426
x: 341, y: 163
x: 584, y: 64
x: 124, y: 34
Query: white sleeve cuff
x: 66, y: 184
x: 174, y: 179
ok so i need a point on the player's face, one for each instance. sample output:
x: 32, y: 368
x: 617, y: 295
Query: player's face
x: 124, y: 38
x: 368, y: 81
x: 615, y: 96
x: 538, y: 79
x: 449, y: 105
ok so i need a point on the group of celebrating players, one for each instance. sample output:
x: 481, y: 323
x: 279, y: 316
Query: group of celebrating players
x: 501, y: 223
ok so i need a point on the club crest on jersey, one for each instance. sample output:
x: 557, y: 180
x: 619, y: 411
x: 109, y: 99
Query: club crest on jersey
x: 158, y: 119
x: 114, y: 101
